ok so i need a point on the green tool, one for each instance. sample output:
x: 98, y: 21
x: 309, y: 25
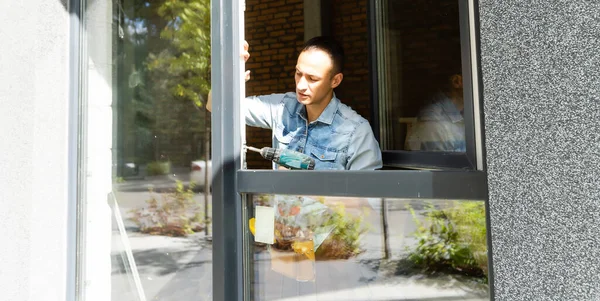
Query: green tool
x: 285, y: 157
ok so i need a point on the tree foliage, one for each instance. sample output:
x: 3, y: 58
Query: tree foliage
x: 187, y: 61
x: 163, y: 76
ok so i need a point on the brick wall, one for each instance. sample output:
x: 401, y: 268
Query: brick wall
x: 428, y: 44
x: 275, y: 32
x: 423, y: 45
x: 349, y: 27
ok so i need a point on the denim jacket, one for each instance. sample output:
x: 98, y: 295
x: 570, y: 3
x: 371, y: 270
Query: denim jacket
x: 339, y: 139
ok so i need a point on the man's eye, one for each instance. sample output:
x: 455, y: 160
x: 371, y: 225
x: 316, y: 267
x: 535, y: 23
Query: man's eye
x: 313, y: 79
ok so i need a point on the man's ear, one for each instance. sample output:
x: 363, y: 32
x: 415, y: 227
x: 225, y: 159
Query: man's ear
x: 336, y: 80
x: 456, y: 81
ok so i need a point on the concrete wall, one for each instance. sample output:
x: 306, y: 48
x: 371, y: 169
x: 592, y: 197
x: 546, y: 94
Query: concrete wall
x: 542, y: 110
x: 33, y: 170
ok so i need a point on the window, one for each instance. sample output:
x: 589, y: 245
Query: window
x: 243, y: 268
x: 422, y: 84
x: 137, y: 87
x: 146, y: 211
x: 354, y: 248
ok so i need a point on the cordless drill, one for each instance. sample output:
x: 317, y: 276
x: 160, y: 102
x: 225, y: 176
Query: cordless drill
x: 285, y: 157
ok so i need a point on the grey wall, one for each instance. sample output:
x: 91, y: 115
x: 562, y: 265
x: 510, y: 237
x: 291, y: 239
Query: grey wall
x: 541, y: 85
x: 33, y: 149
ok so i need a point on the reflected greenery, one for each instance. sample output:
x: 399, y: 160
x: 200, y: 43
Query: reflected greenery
x: 344, y: 241
x: 333, y: 231
x: 452, y: 238
x: 187, y: 63
x: 162, y: 69
x: 158, y: 168
x: 369, y: 248
x: 173, y: 214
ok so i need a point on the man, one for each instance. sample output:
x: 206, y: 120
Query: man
x: 440, y: 126
x: 312, y: 120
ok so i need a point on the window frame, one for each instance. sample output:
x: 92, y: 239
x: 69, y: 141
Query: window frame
x: 76, y: 151
x: 472, y: 158
x: 227, y: 85
x: 231, y: 182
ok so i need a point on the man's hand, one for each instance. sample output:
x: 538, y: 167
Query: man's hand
x: 246, y: 56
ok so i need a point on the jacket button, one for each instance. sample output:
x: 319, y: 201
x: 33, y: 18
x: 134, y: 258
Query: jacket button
x: 322, y: 156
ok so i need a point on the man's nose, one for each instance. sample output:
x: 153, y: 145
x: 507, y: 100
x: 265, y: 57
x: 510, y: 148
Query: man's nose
x: 301, y: 84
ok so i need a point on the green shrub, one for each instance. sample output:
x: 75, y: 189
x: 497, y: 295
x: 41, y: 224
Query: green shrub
x: 452, y: 239
x: 470, y: 223
x: 175, y: 214
x: 158, y: 168
x: 344, y: 240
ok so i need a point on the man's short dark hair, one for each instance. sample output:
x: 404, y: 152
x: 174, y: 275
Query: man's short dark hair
x: 444, y: 77
x: 331, y: 47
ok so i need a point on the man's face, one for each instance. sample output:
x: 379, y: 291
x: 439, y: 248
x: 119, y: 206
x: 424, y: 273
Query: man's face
x: 314, y: 81
x: 456, y: 83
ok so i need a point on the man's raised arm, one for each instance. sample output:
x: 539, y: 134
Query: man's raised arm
x: 246, y: 56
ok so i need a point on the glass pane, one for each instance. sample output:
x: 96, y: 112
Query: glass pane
x: 124, y: 282
x: 326, y: 111
x: 148, y: 75
x: 420, y: 76
x: 166, y: 236
x: 340, y: 248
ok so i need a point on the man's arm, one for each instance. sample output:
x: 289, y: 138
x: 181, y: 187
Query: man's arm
x: 259, y: 111
x: 245, y: 55
x: 441, y: 136
x: 209, y: 98
x: 364, y: 152
x: 435, y: 131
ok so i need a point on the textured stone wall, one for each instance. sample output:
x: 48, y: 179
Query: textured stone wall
x: 541, y: 88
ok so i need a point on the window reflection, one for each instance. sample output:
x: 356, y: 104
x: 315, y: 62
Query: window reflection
x: 440, y: 124
x: 162, y: 80
x: 335, y: 248
x: 420, y: 76
x: 161, y: 150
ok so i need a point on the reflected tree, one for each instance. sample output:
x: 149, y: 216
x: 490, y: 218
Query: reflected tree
x: 187, y: 62
x: 162, y: 78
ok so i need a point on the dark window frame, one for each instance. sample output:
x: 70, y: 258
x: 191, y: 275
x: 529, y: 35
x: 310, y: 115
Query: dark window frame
x: 232, y: 264
x: 402, y: 159
x: 230, y: 182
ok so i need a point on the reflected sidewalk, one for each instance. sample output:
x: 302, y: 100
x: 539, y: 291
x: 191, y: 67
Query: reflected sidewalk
x: 176, y: 268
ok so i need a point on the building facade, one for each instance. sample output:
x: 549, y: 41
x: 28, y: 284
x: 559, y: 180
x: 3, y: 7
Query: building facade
x: 104, y: 131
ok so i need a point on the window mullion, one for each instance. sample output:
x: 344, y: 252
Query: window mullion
x: 415, y: 184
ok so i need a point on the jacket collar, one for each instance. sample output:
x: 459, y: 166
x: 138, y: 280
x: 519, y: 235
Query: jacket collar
x: 451, y: 111
x: 327, y: 115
